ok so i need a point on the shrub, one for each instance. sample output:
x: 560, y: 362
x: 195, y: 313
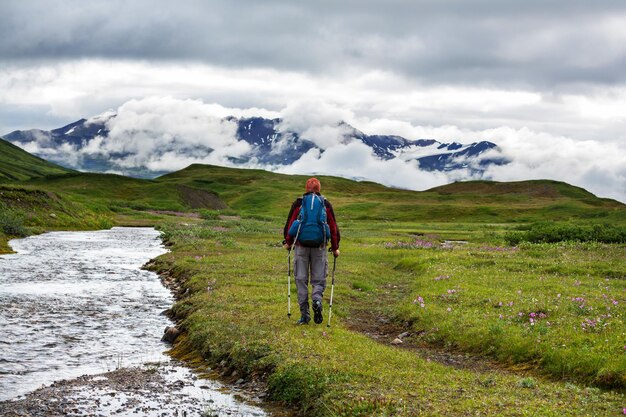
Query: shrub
x: 209, y: 214
x: 12, y: 223
x: 560, y: 232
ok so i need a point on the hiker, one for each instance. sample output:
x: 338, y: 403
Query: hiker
x: 309, y: 227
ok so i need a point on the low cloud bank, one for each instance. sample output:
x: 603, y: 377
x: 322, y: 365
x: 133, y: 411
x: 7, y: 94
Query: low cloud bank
x: 167, y: 134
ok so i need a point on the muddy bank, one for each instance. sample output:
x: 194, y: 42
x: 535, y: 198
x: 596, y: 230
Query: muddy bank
x: 151, y: 390
x: 249, y: 387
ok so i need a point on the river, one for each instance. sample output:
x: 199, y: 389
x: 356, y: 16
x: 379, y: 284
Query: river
x: 76, y: 303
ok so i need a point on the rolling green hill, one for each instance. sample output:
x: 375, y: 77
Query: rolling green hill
x: 17, y: 164
x: 261, y: 192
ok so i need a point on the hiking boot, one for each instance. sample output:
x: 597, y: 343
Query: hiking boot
x: 317, y: 312
x: 303, y: 320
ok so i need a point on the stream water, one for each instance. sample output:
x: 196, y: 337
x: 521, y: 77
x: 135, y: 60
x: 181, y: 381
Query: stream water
x: 75, y: 303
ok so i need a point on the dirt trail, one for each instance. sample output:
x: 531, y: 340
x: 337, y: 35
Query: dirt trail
x: 387, y: 332
x: 374, y: 323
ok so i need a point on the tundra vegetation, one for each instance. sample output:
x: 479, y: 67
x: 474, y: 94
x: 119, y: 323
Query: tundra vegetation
x: 510, y: 297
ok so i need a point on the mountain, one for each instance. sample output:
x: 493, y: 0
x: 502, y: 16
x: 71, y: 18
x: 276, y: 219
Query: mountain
x: 17, y: 164
x: 79, y: 146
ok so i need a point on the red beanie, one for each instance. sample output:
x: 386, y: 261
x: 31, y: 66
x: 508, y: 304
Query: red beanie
x: 313, y: 185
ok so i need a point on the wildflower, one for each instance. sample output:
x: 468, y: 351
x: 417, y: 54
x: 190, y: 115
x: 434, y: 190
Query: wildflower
x: 420, y: 300
x: 589, y: 324
x: 500, y: 304
x: 440, y: 277
x: 422, y: 305
x: 510, y: 304
x: 448, y: 309
x: 614, y: 302
x: 532, y: 314
x: 451, y: 291
x: 501, y: 317
x: 558, y: 296
x: 519, y: 292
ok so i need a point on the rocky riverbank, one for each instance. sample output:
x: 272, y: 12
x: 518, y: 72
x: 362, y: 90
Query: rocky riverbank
x: 153, y: 390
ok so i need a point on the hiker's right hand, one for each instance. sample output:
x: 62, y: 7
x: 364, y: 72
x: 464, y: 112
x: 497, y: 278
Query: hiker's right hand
x: 336, y: 253
x: 287, y: 246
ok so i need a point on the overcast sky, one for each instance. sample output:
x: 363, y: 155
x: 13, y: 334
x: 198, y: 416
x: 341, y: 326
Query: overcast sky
x: 536, y: 73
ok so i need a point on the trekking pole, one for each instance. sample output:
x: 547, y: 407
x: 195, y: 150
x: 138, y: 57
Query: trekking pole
x: 289, y: 284
x: 332, y: 290
x: 289, y: 273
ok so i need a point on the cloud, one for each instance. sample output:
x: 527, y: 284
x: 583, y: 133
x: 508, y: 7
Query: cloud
x: 534, y: 45
x: 356, y: 160
x: 165, y: 134
x: 596, y: 166
x: 317, y: 121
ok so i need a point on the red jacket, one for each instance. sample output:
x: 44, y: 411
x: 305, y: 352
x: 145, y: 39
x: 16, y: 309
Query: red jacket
x: 330, y: 218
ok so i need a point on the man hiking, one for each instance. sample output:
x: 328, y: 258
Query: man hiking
x: 310, y: 225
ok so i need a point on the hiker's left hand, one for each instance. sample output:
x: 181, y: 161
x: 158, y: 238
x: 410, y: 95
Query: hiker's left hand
x: 287, y: 246
x: 336, y: 253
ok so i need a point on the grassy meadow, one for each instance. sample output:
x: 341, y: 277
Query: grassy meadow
x: 519, y: 308
x: 491, y: 328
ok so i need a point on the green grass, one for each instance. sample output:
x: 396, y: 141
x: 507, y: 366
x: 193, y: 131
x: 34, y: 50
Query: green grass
x: 237, y: 313
x: 394, y: 259
x: 28, y: 210
x: 561, y: 306
x: 568, y: 232
x: 255, y: 191
x: 16, y: 164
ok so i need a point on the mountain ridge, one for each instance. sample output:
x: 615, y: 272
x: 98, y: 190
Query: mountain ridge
x: 78, y: 145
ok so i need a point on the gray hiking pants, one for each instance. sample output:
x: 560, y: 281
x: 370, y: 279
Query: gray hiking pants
x: 313, y: 263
